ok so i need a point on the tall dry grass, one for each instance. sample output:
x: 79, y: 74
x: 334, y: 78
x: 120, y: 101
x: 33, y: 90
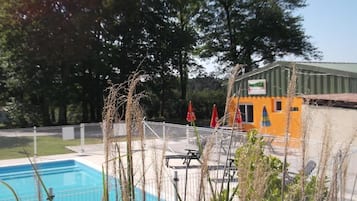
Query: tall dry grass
x: 290, y: 98
x: 123, y: 98
x: 330, y: 179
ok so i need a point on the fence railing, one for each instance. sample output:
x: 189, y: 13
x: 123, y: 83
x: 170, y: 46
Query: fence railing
x: 152, y: 130
x: 158, y: 130
x: 183, y: 134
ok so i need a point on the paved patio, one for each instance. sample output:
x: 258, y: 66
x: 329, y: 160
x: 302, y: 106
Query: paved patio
x: 153, y: 154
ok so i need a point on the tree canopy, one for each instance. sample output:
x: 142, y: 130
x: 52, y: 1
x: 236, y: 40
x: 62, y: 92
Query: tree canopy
x: 249, y: 32
x: 58, y: 56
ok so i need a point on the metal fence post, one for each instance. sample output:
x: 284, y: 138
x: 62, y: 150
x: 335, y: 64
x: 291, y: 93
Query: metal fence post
x: 38, y: 187
x: 82, y: 136
x: 176, y: 180
x: 187, y: 135
x: 144, y: 130
x: 34, y: 141
x: 50, y: 194
x: 339, y: 176
x: 163, y: 131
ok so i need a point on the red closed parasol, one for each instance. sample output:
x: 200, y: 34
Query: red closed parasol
x: 190, y: 117
x: 214, y: 117
x: 238, y: 117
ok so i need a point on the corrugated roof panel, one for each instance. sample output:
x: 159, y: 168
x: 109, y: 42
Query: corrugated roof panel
x: 348, y: 67
x: 312, y: 78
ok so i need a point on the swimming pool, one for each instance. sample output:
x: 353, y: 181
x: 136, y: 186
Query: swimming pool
x: 70, y: 180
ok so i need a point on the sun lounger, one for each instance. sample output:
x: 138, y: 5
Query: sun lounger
x: 230, y: 143
x: 229, y: 174
x: 231, y: 168
x: 309, y: 167
x: 191, y: 154
x: 268, y: 139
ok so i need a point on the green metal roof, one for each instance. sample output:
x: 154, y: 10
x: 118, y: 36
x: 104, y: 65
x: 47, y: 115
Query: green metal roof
x: 312, y: 78
x: 348, y: 67
x: 343, y: 69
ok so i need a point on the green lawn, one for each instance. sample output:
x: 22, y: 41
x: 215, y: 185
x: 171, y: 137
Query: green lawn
x: 13, y: 147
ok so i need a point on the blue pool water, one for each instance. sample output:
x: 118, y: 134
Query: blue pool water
x: 70, y: 180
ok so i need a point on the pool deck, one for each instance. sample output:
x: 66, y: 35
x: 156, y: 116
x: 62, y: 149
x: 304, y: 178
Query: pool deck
x: 153, y: 153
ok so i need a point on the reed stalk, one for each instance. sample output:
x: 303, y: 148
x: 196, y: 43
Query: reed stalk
x: 323, y: 163
x: 109, y: 114
x: 11, y: 189
x: 158, y: 162
x: 290, y: 98
x: 231, y: 80
x: 204, y: 174
x: 123, y: 97
x: 38, y: 178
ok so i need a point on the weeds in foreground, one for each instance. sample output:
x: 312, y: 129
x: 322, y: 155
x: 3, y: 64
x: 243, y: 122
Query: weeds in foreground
x: 123, y: 97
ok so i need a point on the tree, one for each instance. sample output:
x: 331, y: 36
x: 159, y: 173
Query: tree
x: 162, y: 42
x: 252, y: 31
x: 186, y: 37
x: 47, y: 46
x: 59, y: 55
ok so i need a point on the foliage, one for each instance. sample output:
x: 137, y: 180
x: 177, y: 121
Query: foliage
x: 67, y: 52
x: 21, y: 114
x: 259, y: 175
x: 57, y: 57
x: 310, y: 189
x: 47, y: 45
x: 223, y: 195
x: 252, y: 31
x: 204, y: 92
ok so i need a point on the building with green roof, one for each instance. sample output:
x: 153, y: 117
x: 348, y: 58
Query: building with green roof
x: 322, y: 82
x: 312, y: 78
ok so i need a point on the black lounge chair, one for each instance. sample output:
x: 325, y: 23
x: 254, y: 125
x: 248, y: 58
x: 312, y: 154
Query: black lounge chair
x: 309, y: 167
x: 191, y: 154
x: 229, y: 173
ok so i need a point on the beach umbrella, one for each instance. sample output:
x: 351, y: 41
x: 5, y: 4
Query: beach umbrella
x: 265, y: 118
x: 190, y: 117
x: 238, y: 116
x: 214, y: 117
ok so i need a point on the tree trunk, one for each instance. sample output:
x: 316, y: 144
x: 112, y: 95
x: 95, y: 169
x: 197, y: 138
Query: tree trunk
x: 62, y: 118
x: 182, y: 63
x: 92, y: 110
x: 233, y: 50
x: 45, y: 111
x: 162, y: 99
x: 98, y: 106
x: 53, y: 115
x: 84, y: 111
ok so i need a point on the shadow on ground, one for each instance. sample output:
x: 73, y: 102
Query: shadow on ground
x: 10, y: 142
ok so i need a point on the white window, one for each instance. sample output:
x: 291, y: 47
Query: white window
x: 247, y: 113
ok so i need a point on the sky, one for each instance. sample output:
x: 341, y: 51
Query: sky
x: 332, y: 26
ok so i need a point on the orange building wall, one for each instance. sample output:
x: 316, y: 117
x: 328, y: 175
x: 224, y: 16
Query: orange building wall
x: 278, y: 119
